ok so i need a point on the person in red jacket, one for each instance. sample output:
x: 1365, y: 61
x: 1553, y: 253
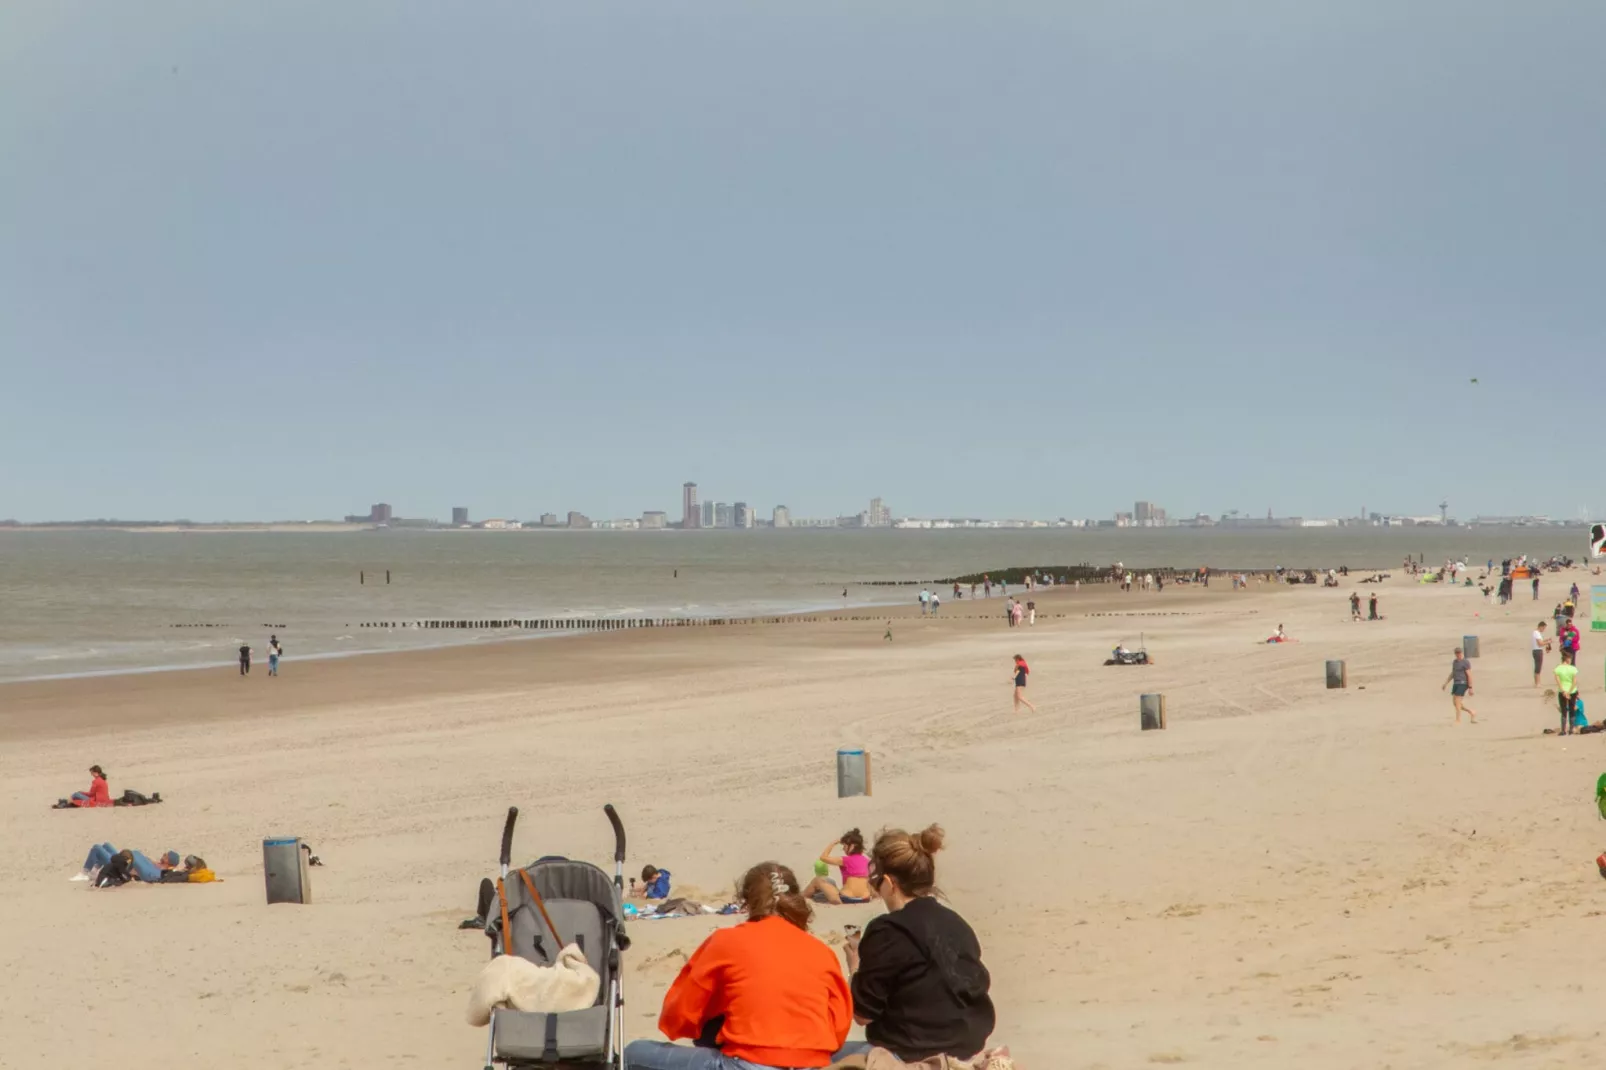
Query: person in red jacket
x: 762, y: 994
x: 99, y: 793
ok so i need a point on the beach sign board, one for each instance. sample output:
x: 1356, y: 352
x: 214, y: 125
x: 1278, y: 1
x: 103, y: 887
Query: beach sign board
x: 1597, y: 608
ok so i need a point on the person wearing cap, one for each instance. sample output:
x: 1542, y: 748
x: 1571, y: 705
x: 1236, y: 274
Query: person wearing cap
x: 134, y: 863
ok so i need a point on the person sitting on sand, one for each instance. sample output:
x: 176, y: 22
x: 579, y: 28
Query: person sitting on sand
x: 654, y: 883
x: 1278, y: 636
x: 854, y: 865
x: 106, y: 867
x: 99, y: 793
x: 764, y: 993
x: 919, y: 986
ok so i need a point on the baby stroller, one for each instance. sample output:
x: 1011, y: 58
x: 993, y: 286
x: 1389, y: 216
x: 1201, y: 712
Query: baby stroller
x: 550, y: 903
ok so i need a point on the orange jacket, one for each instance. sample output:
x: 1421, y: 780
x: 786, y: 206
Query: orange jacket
x: 780, y: 991
x: 100, y: 793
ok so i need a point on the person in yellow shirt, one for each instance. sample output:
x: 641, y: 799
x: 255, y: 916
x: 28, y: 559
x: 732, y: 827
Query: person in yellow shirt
x: 1567, y: 691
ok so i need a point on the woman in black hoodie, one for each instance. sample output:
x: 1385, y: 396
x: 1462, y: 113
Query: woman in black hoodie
x: 919, y: 986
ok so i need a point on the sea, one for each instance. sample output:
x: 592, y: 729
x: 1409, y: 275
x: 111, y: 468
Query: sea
x: 75, y: 603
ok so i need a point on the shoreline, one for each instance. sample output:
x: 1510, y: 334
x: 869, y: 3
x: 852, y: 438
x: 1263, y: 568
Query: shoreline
x: 85, y: 702
x: 514, y: 630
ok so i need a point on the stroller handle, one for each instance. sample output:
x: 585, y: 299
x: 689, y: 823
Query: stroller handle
x: 618, y: 833
x: 507, y: 836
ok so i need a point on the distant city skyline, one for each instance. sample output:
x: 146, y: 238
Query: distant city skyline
x: 740, y: 515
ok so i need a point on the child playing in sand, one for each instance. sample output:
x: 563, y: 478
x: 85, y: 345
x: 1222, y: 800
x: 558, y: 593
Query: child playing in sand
x: 654, y: 883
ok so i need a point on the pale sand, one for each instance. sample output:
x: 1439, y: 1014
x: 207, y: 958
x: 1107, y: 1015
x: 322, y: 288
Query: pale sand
x: 1286, y: 877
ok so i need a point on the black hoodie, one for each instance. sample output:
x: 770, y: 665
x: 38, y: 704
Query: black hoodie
x: 921, y: 984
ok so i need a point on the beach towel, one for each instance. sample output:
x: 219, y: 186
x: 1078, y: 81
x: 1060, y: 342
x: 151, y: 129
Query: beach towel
x: 570, y: 984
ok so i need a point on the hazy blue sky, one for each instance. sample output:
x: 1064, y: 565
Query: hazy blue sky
x: 286, y: 259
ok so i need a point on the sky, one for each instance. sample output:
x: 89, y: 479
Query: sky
x: 284, y: 260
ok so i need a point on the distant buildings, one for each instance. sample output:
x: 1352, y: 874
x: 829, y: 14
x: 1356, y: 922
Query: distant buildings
x: 724, y: 516
x: 579, y: 520
x: 654, y: 521
x: 742, y: 515
x: 690, y: 516
x: 878, y: 515
x: 459, y: 515
x: 781, y: 517
x: 708, y: 515
x: 549, y: 520
x: 379, y: 513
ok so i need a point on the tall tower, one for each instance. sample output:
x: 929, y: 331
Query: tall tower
x: 691, y: 517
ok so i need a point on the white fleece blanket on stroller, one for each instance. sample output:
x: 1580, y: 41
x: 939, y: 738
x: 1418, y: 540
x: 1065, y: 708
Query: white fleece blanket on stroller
x: 570, y: 984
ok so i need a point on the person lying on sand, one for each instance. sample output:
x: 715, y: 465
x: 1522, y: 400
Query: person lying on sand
x: 106, y: 867
x: 764, y: 993
x: 854, y: 866
x: 654, y: 883
x: 195, y: 871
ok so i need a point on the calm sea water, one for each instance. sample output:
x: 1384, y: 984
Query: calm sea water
x: 77, y: 602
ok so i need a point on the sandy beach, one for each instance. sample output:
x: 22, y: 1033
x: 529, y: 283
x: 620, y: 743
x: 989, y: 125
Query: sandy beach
x: 1286, y: 876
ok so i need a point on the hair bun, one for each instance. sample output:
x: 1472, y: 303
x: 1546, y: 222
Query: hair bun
x: 929, y: 840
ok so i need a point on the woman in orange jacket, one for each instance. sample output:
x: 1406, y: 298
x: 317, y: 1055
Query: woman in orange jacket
x: 99, y: 793
x: 759, y: 995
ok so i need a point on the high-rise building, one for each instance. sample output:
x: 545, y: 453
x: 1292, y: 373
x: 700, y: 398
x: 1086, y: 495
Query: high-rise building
x: 708, y: 514
x: 878, y: 515
x: 578, y: 520
x: 653, y: 520
x: 379, y: 513
x: 459, y: 515
x: 723, y: 516
x: 742, y: 515
x: 690, y: 515
x: 1142, y: 513
x: 781, y: 517
x: 549, y: 520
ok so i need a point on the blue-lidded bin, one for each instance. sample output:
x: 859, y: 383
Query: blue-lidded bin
x: 284, y: 865
x: 852, y: 772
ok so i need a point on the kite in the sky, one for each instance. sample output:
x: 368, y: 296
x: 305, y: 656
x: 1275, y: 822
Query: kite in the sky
x: 1474, y: 382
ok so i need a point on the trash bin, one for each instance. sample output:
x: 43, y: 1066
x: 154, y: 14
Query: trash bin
x: 1337, y: 675
x: 284, y: 864
x: 1151, y: 712
x: 1469, y: 646
x: 852, y: 772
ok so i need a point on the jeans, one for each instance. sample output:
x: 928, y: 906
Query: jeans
x: 1568, y: 704
x: 99, y: 855
x: 659, y: 1055
x: 145, y: 869
x: 273, y: 665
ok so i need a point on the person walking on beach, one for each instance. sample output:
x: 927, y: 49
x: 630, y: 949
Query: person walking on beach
x: 1355, y: 605
x: 1535, y: 572
x: 1371, y: 609
x: 1567, y: 692
x: 925, y: 601
x: 1031, y: 612
x: 245, y: 660
x: 888, y: 636
x: 1460, y: 684
x: 1021, y: 672
x: 1541, y: 643
x: 936, y: 603
x: 1015, y: 614
x: 275, y: 651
